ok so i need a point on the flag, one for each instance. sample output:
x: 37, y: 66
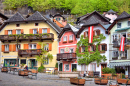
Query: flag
x: 90, y: 32
x: 122, y: 44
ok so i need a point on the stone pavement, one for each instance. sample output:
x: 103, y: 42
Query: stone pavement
x: 43, y: 79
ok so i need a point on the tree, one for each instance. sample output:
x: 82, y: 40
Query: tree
x: 44, y: 54
x: 87, y: 57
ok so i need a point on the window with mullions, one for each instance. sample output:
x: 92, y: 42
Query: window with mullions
x: 46, y: 61
x: 46, y: 47
x: 118, y: 25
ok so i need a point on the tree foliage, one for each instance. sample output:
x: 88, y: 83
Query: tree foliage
x: 86, y: 57
x: 75, y: 6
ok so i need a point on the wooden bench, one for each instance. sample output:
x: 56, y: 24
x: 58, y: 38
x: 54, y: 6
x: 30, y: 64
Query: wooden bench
x: 33, y: 73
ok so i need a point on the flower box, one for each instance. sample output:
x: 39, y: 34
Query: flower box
x: 101, y: 81
x: 77, y: 81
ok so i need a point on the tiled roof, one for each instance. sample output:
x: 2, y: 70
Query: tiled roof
x: 36, y: 16
x: 17, y: 17
x: 123, y: 15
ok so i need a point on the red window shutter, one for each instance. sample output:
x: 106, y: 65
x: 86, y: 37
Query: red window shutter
x: 105, y: 47
x: 22, y: 31
x: 14, y: 47
x: 99, y: 47
x: 93, y: 33
x: 6, y: 32
x: 98, y: 32
x: 10, y: 48
x: 50, y: 46
x: 48, y: 30
x: 31, y: 31
x: 13, y: 31
x: 79, y: 49
x: 3, y: 48
x: 89, y: 49
x: 40, y: 30
x: 38, y: 46
x: 84, y: 34
x: 25, y: 46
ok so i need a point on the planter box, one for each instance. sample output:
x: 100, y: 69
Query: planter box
x: 22, y: 73
x: 106, y: 76
x: 101, y: 81
x: 4, y: 69
x: 68, y: 74
x: 77, y: 81
x: 121, y: 81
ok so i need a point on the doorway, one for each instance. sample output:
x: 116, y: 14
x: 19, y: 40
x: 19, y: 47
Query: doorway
x: 103, y: 66
x: 33, y: 63
x: 60, y: 66
x: 74, y: 66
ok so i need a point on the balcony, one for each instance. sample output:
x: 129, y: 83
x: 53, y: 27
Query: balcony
x: 29, y: 52
x: 121, y: 56
x: 116, y: 43
x: 66, y: 56
x: 27, y: 37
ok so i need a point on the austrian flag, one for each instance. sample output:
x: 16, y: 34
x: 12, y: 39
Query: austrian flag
x: 122, y: 44
x: 90, y: 34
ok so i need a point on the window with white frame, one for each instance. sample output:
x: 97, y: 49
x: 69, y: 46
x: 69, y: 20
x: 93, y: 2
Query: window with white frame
x: 66, y: 67
x: 18, y: 47
x: 44, y: 30
x: 18, y: 31
x: 32, y: 46
x: 46, y: 47
x: 128, y: 23
x: 71, y: 50
x: 93, y: 67
x: 6, y: 47
x: 9, y: 32
x: 124, y: 53
x: 65, y: 38
x: 118, y: 25
x: 115, y: 54
x: 46, y: 61
x: 34, y: 31
x: 62, y: 50
x: 70, y: 37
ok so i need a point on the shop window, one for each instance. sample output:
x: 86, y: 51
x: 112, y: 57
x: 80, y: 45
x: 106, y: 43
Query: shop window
x: 66, y: 67
x: 23, y: 61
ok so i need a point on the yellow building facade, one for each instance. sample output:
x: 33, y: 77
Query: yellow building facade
x: 28, y: 46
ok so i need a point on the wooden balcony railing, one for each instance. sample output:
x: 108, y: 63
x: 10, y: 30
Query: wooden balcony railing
x: 29, y: 52
x: 26, y: 37
x: 66, y: 56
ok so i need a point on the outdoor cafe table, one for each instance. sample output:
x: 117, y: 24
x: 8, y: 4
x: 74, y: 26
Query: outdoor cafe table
x: 14, y: 69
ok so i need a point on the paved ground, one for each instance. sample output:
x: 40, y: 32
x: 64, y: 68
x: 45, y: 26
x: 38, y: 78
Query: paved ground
x: 43, y: 79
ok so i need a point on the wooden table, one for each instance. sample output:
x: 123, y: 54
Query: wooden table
x: 14, y: 69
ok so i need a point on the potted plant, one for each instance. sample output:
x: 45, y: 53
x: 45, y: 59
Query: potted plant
x: 56, y: 66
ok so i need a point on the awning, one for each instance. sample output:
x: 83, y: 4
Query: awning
x: 125, y: 28
x: 111, y: 64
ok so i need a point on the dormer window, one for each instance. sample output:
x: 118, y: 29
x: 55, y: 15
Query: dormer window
x: 128, y: 23
x: 118, y: 25
x: 36, y: 24
x: 17, y: 25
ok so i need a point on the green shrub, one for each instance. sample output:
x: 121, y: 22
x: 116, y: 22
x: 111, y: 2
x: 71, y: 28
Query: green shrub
x: 56, y: 66
x: 41, y: 68
x: 74, y: 69
x: 108, y: 70
x: 123, y: 75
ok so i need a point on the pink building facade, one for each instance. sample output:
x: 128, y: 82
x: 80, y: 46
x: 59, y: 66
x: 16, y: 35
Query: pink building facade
x: 67, y: 60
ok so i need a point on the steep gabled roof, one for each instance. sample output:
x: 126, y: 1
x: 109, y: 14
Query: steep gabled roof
x: 3, y: 16
x: 111, y: 11
x: 92, y: 14
x: 16, y: 18
x: 67, y: 28
x: 123, y: 16
x: 36, y: 16
x: 58, y: 23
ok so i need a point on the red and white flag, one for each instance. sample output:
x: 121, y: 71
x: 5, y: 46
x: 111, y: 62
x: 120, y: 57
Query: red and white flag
x: 90, y: 32
x: 122, y: 44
